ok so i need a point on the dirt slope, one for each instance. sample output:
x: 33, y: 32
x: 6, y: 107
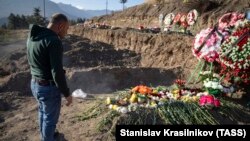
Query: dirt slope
x: 155, y: 50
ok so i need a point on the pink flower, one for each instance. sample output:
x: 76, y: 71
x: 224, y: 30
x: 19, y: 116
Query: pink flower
x: 210, y: 51
x: 202, y: 101
x: 209, y: 100
x: 206, y: 99
x: 210, y: 59
x: 216, y: 102
x: 230, y: 19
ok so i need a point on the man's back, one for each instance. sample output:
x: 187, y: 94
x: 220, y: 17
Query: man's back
x: 40, y: 43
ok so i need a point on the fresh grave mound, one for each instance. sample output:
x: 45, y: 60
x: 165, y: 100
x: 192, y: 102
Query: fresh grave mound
x: 174, y: 112
x: 176, y: 104
x: 109, y: 80
x: 13, y: 63
x: 16, y: 82
x: 81, y: 52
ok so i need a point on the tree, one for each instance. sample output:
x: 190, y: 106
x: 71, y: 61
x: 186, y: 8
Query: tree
x: 72, y: 22
x: 123, y: 2
x: 80, y: 20
x: 18, y: 22
x: 38, y: 19
x: 12, y: 21
x: 30, y: 19
x: 24, y: 22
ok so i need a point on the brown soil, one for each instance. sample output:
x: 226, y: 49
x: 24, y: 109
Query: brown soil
x: 101, y: 62
x: 107, y: 70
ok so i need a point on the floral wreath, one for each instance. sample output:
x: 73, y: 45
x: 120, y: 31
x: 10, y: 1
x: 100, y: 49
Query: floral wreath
x: 207, y: 44
x: 177, y: 18
x: 192, y: 17
x: 183, y: 20
x: 230, y: 19
x: 235, y: 53
x: 169, y: 19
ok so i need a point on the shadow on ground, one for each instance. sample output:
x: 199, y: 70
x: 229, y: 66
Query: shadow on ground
x: 108, y: 80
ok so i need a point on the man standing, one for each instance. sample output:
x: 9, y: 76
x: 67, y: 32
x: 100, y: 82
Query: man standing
x: 45, y: 54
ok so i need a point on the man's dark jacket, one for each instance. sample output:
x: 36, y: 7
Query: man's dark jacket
x: 45, y: 54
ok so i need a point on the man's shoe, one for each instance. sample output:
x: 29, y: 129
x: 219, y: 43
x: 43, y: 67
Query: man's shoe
x: 58, y: 136
x: 56, y: 133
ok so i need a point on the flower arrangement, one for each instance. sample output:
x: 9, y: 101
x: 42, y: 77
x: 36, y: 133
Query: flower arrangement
x: 230, y: 19
x: 143, y: 96
x: 211, y: 83
x: 142, y: 89
x: 209, y: 101
x: 213, y: 86
x: 235, y: 53
x: 192, y: 17
x: 168, y: 20
x: 207, y: 44
x: 189, y: 99
x: 208, y: 75
x: 183, y: 21
x: 180, y: 22
x: 177, y: 19
x: 180, y: 83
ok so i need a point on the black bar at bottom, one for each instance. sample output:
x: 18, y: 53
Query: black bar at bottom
x: 164, y: 132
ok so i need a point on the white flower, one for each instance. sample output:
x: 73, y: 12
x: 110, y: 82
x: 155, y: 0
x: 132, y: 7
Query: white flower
x: 170, y: 95
x: 220, y: 87
x: 132, y: 107
x: 110, y: 106
x: 208, y: 84
x: 161, y: 103
x: 124, y: 110
x: 214, y: 85
x: 231, y: 89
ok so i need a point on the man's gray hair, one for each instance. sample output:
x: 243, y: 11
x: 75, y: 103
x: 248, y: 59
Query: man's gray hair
x: 58, y: 18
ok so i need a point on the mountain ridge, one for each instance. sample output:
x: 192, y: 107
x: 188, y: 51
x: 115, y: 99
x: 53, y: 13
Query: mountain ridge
x: 27, y: 7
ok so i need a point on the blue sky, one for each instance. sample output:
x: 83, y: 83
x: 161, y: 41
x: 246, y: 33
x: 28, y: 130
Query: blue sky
x: 99, y: 4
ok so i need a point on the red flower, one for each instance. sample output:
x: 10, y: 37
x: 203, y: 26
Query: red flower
x: 180, y: 82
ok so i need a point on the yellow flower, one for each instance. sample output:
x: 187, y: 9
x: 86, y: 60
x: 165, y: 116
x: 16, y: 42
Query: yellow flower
x: 133, y: 98
x: 153, y: 104
x: 195, y: 98
x: 175, y: 92
x: 114, y: 107
x: 108, y: 100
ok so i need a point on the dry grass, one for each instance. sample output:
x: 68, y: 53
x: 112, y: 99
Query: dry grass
x: 201, y: 5
x: 154, y: 1
x: 7, y: 36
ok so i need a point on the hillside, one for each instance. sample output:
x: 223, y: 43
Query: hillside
x: 147, y: 14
